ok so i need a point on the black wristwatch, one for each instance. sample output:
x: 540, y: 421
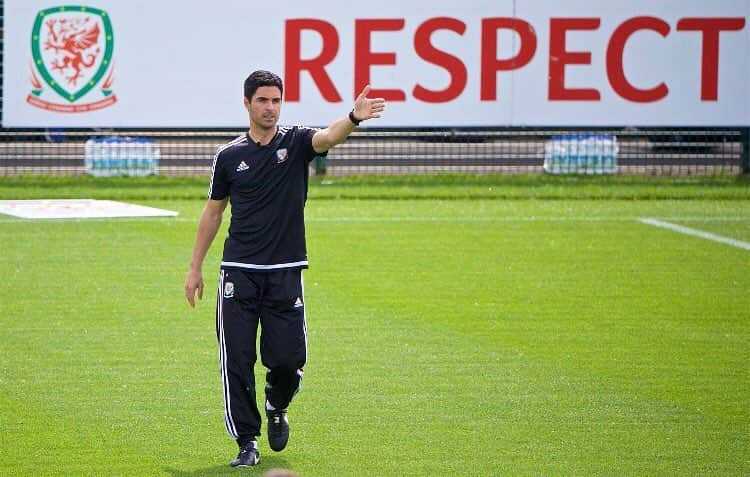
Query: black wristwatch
x: 353, y: 119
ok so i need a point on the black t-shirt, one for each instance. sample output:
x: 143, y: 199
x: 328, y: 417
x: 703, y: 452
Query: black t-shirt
x: 267, y: 189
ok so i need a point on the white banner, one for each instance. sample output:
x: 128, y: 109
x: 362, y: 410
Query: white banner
x: 173, y: 63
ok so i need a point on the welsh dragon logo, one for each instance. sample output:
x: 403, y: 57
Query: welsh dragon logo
x: 71, y: 47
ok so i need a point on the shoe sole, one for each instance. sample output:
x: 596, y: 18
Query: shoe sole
x: 257, y: 461
x: 278, y: 446
x: 246, y: 465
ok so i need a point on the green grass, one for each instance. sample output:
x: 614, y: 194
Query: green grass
x: 447, y: 336
x: 426, y: 187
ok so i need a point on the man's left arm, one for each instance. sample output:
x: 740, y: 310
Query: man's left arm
x: 364, y: 109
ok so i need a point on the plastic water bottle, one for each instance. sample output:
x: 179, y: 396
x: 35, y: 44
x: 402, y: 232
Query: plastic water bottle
x: 571, y: 153
x: 143, y: 157
x: 598, y: 154
x: 101, y: 160
x: 113, y: 156
x: 581, y: 153
x: 610, y: 154
x: 123, y: 150
x: 155, y: 156
x: 88, y: 155
x: 558, y: 151
x: 121, y: 154
x: 552, y: 155
x: 103, y: 156
x: 590, y: 154
x: 113, y: 150
x: 137, y: 156
x: 566, y: 149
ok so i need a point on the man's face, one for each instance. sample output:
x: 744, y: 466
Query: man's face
x: 265, y: 106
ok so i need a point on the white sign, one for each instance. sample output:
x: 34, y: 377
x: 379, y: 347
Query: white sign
x: 438, y: 63
x: 77, y: 209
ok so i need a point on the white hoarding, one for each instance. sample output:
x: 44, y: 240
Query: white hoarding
x: 176, y: 63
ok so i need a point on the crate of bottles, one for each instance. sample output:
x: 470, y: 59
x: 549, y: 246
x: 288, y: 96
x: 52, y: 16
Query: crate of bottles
x: 581, y: 154
x: 121, y: 156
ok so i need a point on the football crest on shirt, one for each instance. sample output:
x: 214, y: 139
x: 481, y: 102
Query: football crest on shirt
x: 228, y: 290
x: 281, y: 156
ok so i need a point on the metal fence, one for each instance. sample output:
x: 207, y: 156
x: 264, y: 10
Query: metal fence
x: 676, y: 152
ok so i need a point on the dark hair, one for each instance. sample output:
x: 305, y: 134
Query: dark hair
x: 261, y: 78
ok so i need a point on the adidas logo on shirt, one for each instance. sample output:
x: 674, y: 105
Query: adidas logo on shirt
x: 298, y: 303
x: 242, y: 167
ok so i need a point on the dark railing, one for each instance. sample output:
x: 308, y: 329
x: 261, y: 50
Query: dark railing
x: 649, y: 151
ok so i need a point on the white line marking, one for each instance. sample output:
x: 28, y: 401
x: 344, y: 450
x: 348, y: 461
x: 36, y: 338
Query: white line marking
x: 390, y: 219
x: 696, y: 233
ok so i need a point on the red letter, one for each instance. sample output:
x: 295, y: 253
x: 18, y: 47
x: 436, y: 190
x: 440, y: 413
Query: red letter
x: 293, y: 64
x: 559, y: 57
x: 490, y: 64
x: 429, y: 53
x: 364, y: 58
x: 615, y: 70
x: 710, y: 27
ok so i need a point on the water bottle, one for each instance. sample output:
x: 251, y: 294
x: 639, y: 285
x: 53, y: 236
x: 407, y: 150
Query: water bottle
x: 610, y: 153
x: 120, y: 156
x: 590, y: 154
x: 582, y: 157
x: 571, y: 153
x: 615, y: 151
x: 88, y: 155
x: 112, y: 157
x: 142, y: 161
x: 104, y: 156
x: 552, y: 155
x: 564, y: 153
x: 599, y: 154
x: 558, y: 152
x: 128, y: 159
x: 123, y: 151
x: 154, y: 156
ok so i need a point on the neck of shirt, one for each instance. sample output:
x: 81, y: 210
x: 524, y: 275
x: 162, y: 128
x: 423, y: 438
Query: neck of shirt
x: 264, y: 139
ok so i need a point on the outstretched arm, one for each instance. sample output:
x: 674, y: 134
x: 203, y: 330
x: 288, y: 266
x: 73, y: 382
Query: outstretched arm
x: 208, y: 226
x: 339, y: 130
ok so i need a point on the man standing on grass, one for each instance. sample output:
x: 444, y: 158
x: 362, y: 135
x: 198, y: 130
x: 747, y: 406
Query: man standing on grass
x: 264, y: 173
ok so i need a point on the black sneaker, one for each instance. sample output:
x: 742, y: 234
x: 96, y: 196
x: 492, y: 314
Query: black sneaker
x: 278, y: 429
x: 248, y: 456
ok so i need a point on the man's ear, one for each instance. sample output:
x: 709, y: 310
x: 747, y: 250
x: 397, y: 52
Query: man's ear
x: 247, y: 103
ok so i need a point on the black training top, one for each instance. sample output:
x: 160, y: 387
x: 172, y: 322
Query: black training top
x: 267, y: 189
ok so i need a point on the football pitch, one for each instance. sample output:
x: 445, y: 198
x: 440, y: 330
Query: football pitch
x: 471, y: 333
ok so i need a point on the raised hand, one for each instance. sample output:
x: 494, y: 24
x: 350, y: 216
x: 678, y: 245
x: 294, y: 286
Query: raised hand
x: 367, y: 108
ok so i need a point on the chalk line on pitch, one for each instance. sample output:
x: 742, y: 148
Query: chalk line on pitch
x: 695, y: 233
x: 530, y: 218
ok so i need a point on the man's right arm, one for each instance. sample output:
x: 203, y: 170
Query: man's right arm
x: 208, y: 226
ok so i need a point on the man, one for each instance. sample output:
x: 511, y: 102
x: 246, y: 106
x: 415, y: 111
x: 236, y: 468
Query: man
x: 264, y: 174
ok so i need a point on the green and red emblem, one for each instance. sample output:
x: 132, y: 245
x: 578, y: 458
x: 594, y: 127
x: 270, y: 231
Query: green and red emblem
x: 71, y: 49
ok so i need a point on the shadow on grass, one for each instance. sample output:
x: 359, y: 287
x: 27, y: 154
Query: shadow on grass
x: 266, y: 463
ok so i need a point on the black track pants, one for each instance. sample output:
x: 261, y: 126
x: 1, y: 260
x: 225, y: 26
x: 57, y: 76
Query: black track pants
x: 275, y: 301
